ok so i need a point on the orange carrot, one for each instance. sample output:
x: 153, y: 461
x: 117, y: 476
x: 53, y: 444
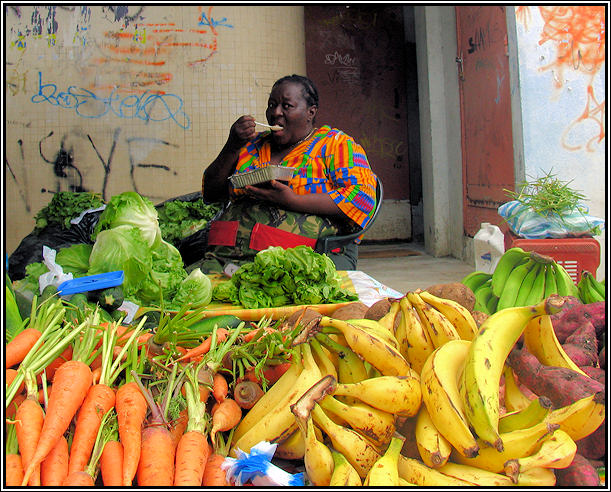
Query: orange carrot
x: 96, y: 363
x: 10, y: 376
x: 54, y: 365
x: 95, y: 375
x: 13, y: 471
x: 214, y: 475
x: 191, y: 457
x: 271, y: 373
x: 11, y: 410
x: 70, y: 385
x: 226, y: 417
x: 100, y: 398
x: 54, y: 468
x: 29, y: 421
x: 204, y: 347
x: 78, y: 479
x: 19, y: 346
x: 204, y: 392
x: 220, y: 388
x: 131, y: 410
x: 111, y: 464
x: 178, y: 426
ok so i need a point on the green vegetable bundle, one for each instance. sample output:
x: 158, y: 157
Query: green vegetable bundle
x: 65, y: 206
x: 179, y: 219
x: 278, y: 277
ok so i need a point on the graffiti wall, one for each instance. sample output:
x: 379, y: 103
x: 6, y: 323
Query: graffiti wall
x: 111, y: 99
x: 561, y: 51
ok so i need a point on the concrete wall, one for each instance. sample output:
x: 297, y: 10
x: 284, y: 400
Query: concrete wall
x: 110, y: 99
x: 562, y: 62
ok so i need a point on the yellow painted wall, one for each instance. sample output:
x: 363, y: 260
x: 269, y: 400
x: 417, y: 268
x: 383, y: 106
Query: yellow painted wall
x: 111, y: 99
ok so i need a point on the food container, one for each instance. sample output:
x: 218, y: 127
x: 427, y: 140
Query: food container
x: 262, y: 175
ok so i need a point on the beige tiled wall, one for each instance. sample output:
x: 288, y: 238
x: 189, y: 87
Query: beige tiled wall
x: 111, y: 99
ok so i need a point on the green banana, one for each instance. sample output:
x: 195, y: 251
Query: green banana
x: 599, y: 286
x: 550, y: 282
x: 479, y: 383
x: 514, y: 283
x: 482, y: 296
x: 504, y: 267
x: 492, y: 304
x: 475, y: 279
x: 535, y: 295
x: 590, y: 289
x: 564, y: 282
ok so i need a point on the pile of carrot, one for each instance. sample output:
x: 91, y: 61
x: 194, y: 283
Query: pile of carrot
x: 91, y: 404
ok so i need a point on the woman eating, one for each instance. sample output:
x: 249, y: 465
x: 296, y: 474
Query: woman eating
x: 332, y: 189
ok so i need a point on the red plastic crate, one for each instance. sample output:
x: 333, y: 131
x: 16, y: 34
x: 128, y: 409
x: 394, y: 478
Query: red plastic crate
x: 575, y: 254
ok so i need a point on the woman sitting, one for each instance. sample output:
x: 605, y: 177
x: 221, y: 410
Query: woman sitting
x: 332, y: 190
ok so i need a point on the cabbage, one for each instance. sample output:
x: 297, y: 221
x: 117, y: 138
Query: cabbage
x: 196, y: 290
x: 74, y: 259
x: 130, y: 208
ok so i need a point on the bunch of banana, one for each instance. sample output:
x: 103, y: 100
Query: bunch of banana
x: 590, y: 290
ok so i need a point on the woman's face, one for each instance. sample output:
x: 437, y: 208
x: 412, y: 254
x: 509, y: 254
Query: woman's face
x: 288, y: 108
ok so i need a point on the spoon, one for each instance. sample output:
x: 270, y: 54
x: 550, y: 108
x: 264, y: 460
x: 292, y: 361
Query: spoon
x: 274, y: 128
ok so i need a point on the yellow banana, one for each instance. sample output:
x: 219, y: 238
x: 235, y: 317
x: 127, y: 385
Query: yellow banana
x: 540, y: 340
x: 344, y: 474
x: 416, y: 472
x: 438, y: 327
x: 514, y: 398
x: 434, y: 449
x: 518, y: 443
x: 322, y: 359
x: 475, y: 476
x: 405, y: 483
x: 458, y: 315
x: 388, y: 320
x: 271, y: 397
x: 534, y: 413
x: 384, y: 472
x: 484, y: 364
x: 358, y: 451
x: 556, y: 451
x: 397, y: 395
x: 350, y: 367
x: 581, y: 418
x: 376, y: 425
x: 279, y: 423
x: 415, y: 344
x: 292, y: 448
x: 375, y: 328
x: 537, y: 477
x: 440, y: 394
x: 317, y: 456
x: 381, y: 355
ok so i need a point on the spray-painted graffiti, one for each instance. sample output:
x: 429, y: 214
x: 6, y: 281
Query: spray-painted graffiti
x: 578, y: 35
x: 86, y: 104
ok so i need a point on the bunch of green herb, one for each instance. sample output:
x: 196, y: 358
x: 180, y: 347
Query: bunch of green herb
x: 179, y: 219
x: 65, y: 206
x: 548, y: 195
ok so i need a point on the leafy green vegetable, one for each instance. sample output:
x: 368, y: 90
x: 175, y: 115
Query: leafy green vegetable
x: 179, y: 219
x: 277, y: 277
x: 196, y: 289
x: 30, y: 281
x: 74, y: 259
x: 131, y: 209
x: 65, y: 206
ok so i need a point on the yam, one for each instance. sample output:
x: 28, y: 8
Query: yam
x: 594, y: 446
x: 561, y: 385
x: 596, y: 373
x: 580, y: 356
x: 572, y: 315
x: 580, y: 473
x: 354, y: 310
x: 584, y: 336
x: 303, y: 317
x: 479, y: 317
x: 377, y: 310
x: 455, y: 291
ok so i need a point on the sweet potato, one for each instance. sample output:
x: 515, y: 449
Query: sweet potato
x: 580, y: 356
x: 596, y: 373
x: 580, y: 473
x: 593, y: 446
x: 561, y: 385
x: 455, y: 291
x: 584, y: 336
x: 602, y: 357
x: 569, y: 319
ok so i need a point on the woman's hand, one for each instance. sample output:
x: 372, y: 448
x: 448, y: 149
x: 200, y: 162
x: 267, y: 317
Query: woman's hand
x: 241, y: 132
x: 275, y: 192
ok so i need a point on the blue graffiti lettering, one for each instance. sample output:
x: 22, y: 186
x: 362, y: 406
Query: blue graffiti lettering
x: 213, y: 22
x: 86, y: 104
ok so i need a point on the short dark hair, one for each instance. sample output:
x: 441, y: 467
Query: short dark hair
x: 310, y: 93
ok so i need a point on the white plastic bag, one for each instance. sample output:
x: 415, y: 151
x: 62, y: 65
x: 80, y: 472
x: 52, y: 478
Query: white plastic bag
x: 55, y: 276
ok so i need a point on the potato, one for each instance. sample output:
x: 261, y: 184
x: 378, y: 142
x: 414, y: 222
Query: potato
x: 354, y: 310
x: 455, y: 291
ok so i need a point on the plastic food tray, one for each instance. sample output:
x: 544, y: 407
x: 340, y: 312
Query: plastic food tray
x: 575, y: 254
x: 262, y: 175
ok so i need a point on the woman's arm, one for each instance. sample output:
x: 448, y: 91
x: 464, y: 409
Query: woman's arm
x: 215, y: 187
